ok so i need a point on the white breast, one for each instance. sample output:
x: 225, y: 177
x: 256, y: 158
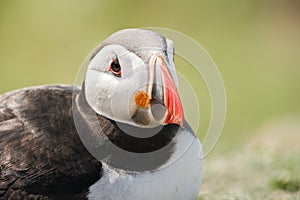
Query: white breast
x: 179, y: 181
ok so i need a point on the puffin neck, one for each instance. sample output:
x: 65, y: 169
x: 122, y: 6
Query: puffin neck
x: 106, y: 137
x: 124, y: 140
x: 120, y: 133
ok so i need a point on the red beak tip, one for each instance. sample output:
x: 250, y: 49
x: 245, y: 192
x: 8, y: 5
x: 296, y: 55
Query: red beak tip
x: 175, y: 120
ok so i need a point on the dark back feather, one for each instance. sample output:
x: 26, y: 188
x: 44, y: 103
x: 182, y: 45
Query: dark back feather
x: 41, y: 155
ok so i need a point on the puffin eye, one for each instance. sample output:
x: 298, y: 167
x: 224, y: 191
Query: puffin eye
x: 115, y: 67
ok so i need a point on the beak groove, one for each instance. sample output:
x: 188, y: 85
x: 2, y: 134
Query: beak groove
x: 165, y: 103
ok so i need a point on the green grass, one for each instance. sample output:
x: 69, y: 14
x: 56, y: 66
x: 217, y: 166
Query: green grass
x: 267, y: 167
x: 286, y: 185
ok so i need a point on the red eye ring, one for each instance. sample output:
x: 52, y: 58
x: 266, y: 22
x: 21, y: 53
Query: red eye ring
x: 115, y: 67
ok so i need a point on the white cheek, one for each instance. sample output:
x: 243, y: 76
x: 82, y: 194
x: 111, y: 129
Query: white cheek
x: 104, y: 93
x: 110, y: 96
x: 123, y: 106
x: 98, y: 90
x: 90, y: 87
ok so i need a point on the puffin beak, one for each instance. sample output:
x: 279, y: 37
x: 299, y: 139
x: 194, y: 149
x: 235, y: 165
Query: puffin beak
x: 165, y: 102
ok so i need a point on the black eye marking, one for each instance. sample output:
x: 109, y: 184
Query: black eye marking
x: 115, y: 67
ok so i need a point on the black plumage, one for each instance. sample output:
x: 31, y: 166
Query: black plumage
x: 41, y: 154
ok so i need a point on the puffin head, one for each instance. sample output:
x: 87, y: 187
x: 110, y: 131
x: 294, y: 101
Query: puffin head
x: 131, y: 78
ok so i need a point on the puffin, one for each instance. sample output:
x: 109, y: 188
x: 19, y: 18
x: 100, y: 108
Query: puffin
x: 120, y: 135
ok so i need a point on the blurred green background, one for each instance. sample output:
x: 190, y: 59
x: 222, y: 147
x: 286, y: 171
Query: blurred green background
x: 255, y: 44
